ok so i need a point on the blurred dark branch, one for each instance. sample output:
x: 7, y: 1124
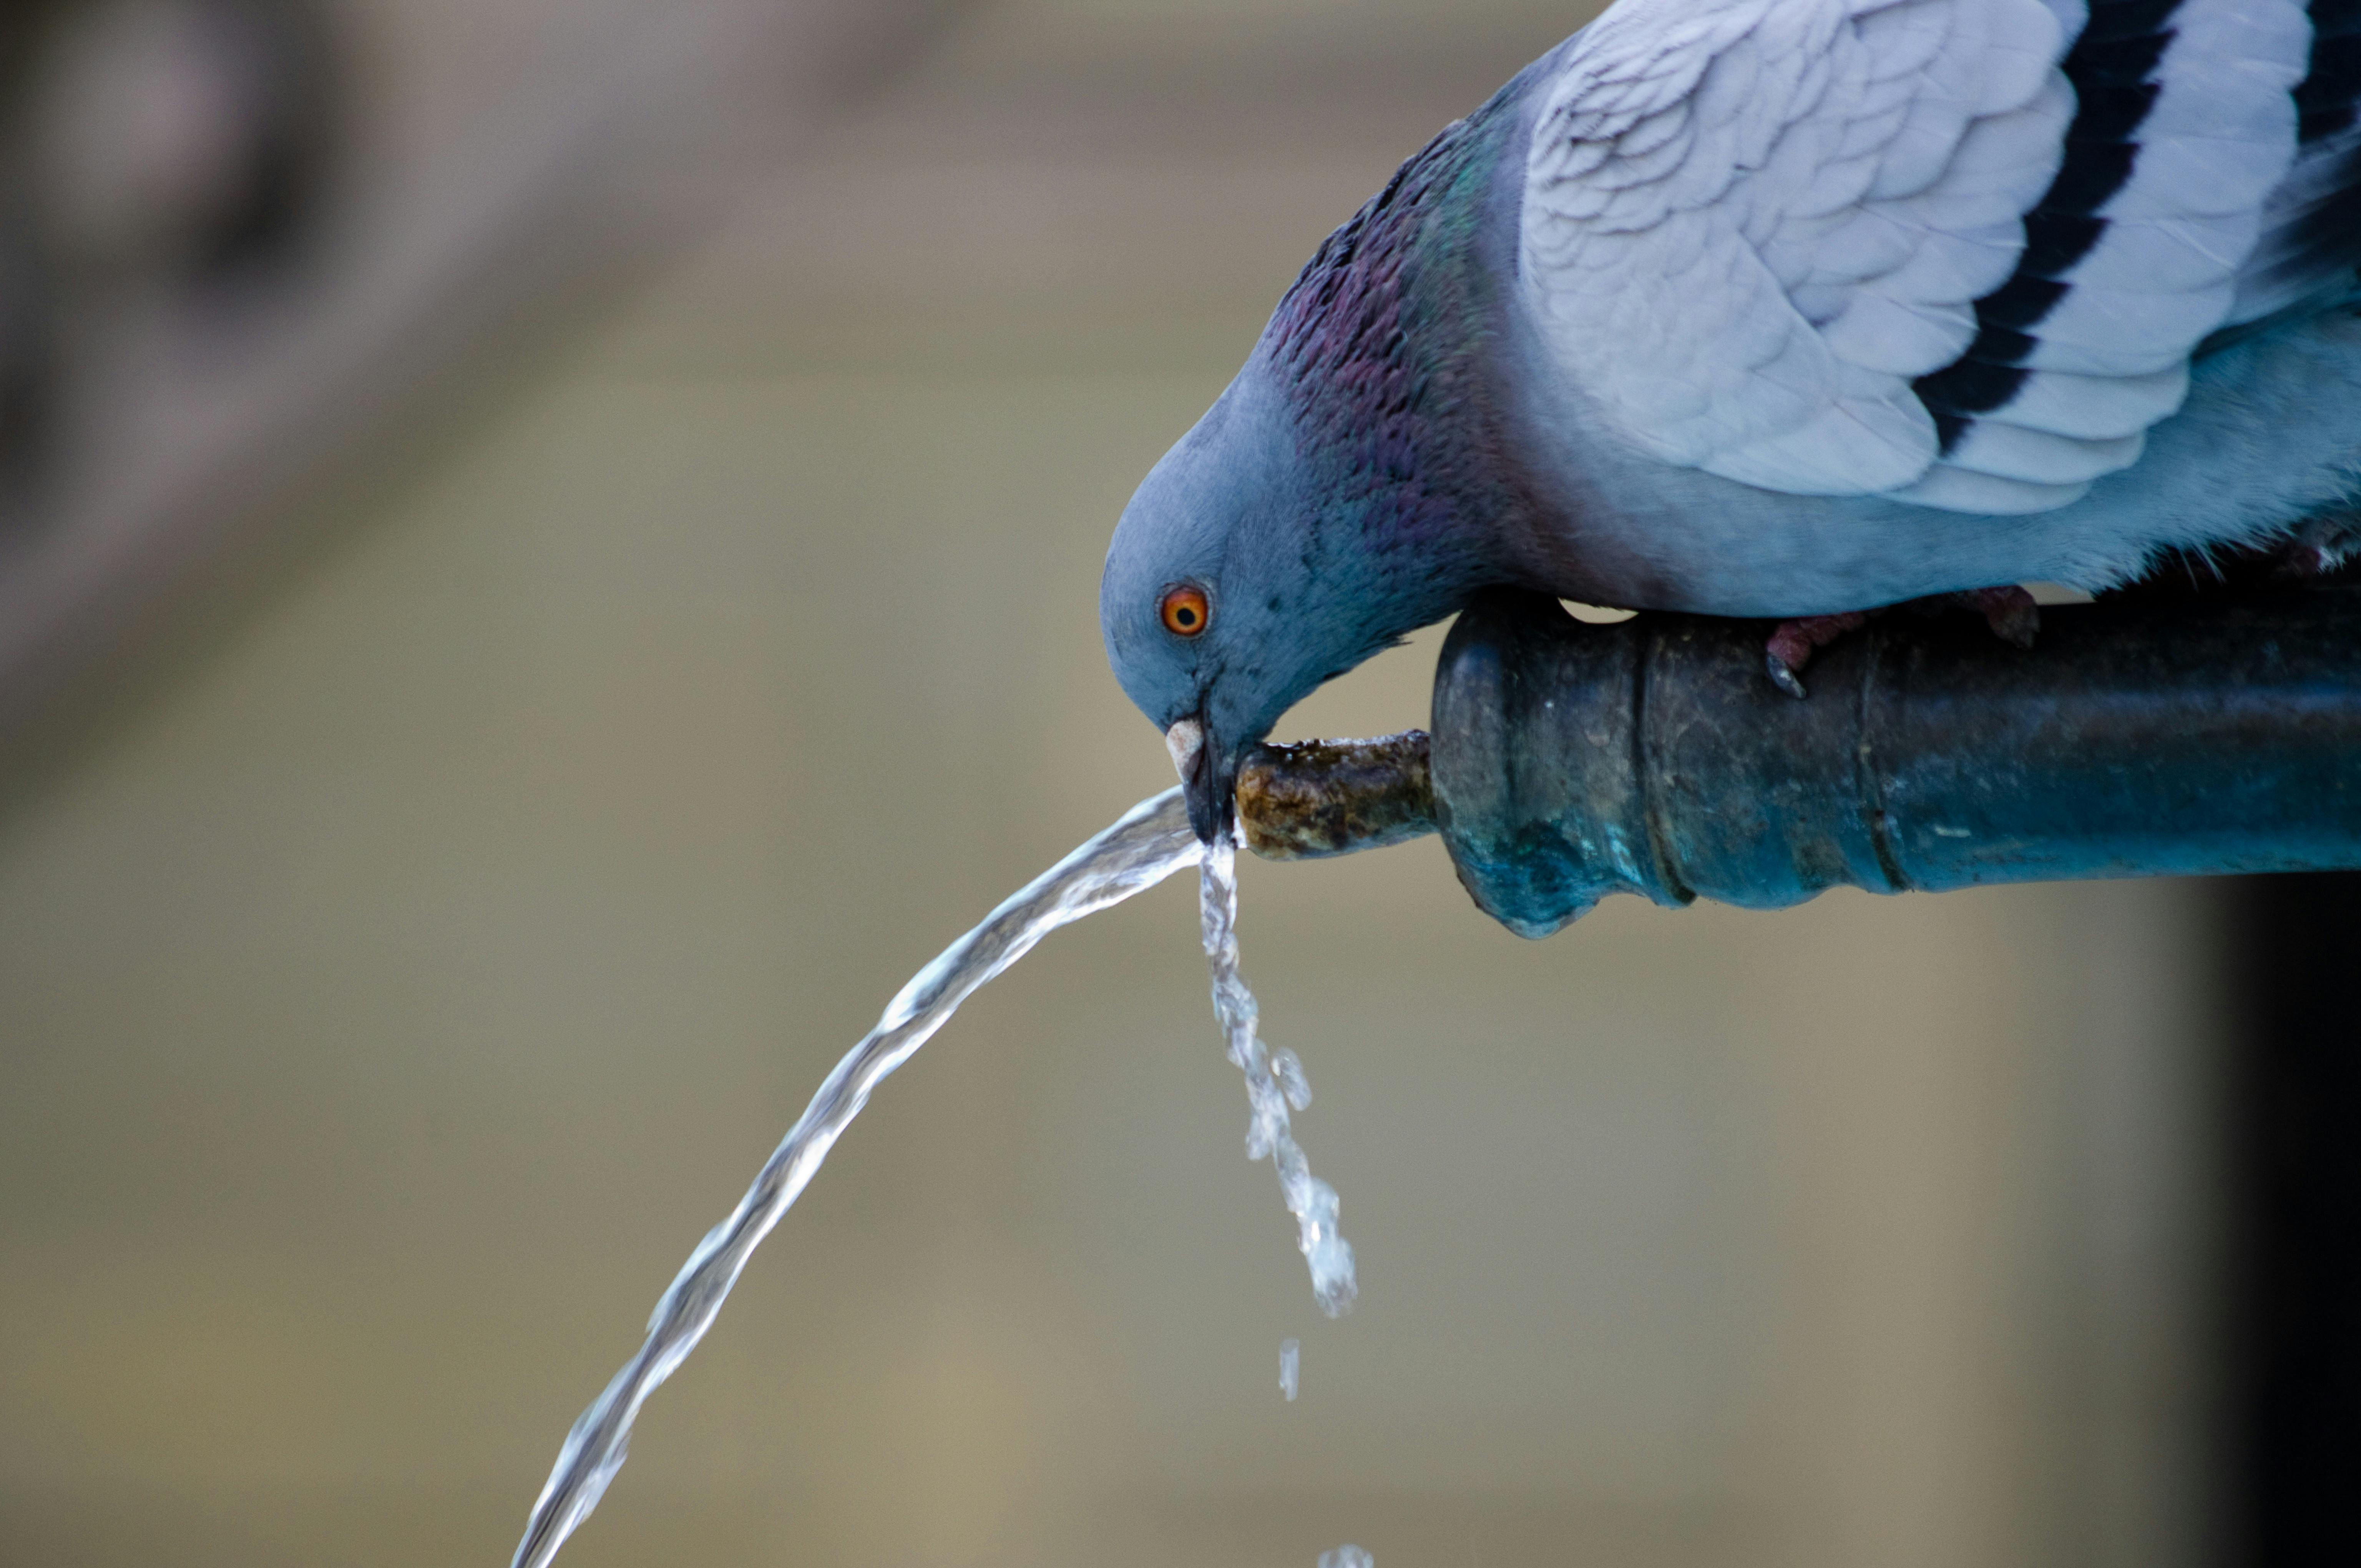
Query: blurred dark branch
x: 2295, y: 1428
x: 228, y: 253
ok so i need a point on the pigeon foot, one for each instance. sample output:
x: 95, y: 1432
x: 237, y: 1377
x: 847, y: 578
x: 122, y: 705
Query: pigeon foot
x: 2324, y: 547
x: 2010, y: 611
x: 1791, y: 646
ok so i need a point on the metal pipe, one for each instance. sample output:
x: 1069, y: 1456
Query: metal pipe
x: 2139, y: 737
x: 1317, y: 798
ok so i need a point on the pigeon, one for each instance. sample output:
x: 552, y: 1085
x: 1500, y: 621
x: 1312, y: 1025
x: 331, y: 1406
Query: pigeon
x: 1784, y: 308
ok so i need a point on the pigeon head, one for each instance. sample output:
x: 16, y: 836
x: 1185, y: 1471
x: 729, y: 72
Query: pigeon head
x: 1217, y: 617
x: 1343, y: 492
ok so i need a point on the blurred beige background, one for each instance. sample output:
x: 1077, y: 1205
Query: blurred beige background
x: 404, y: 961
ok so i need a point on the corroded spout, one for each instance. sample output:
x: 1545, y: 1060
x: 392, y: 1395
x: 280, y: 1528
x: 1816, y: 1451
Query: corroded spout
x: 2139, y: 737
x: 1316, y: 798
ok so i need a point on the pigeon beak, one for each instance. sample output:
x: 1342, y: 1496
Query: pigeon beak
x: 1204, y: 777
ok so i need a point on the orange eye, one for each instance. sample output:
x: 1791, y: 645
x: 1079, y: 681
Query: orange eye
x: 1185, y: 611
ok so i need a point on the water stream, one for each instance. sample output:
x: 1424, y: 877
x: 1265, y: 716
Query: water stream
x: 1148, y: 843
x: 1274, y: 1083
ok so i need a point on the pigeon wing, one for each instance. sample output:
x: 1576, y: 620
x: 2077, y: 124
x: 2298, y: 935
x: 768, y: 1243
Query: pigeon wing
x: 2311, y: 240
x: 1957, y: 251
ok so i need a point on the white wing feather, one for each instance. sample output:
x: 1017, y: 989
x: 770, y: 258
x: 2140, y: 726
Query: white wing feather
x: 1750, y: 224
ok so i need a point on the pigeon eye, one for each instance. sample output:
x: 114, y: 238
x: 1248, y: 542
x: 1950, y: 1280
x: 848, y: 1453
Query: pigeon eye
x: 1184, y: 610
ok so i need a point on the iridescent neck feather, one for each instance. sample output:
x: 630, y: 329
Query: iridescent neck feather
x: 1377, y: 353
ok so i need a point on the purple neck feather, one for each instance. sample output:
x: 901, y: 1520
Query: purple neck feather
x: 1377, y: 349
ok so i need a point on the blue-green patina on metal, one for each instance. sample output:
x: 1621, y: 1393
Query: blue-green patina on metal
x: 2142, y: 737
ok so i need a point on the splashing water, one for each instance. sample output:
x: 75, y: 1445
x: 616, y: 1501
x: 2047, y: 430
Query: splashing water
x: 1273, y: 1084
x: 1290, y: 1366
x: 1347, y: 1556
x: 1146, y: 844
